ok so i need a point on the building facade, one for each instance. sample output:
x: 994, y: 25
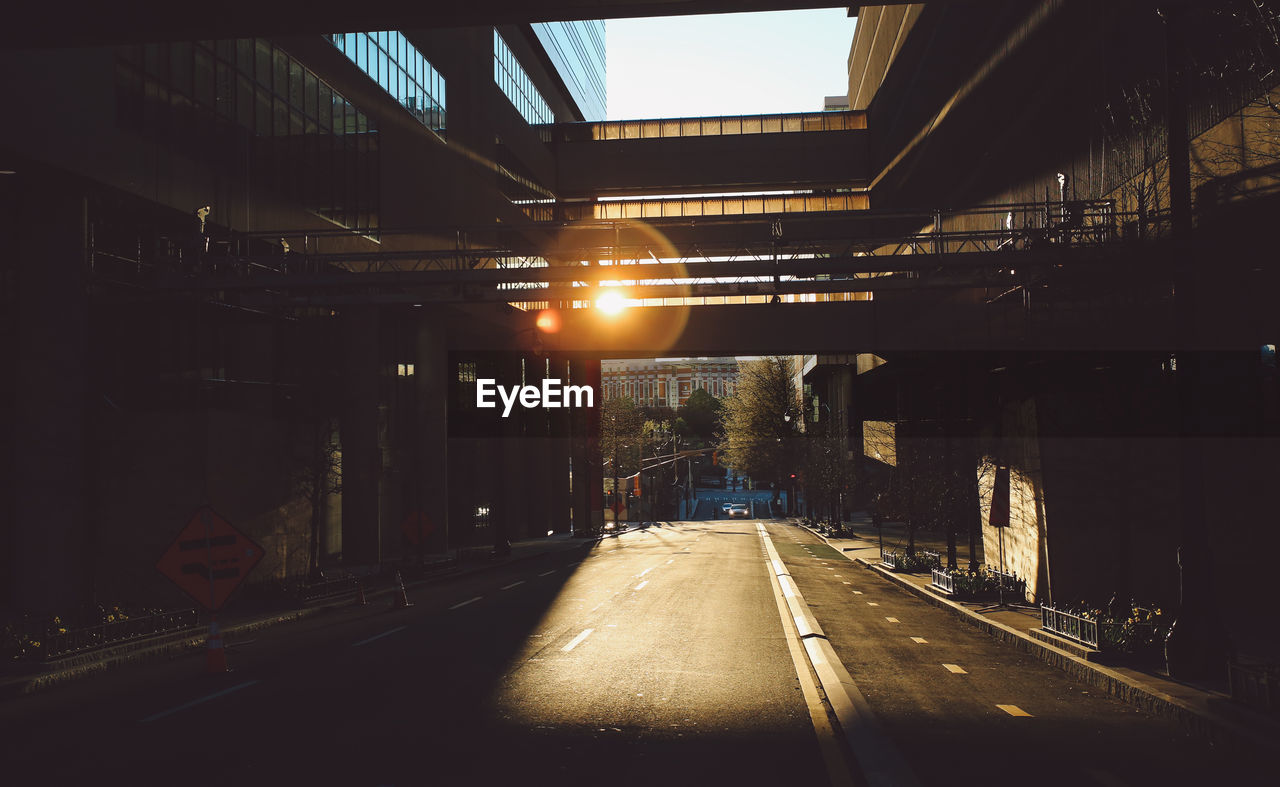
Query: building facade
x: 664, y: 382
x: 139, y: 396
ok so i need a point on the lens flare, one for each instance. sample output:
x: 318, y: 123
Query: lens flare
x: 548, y: 321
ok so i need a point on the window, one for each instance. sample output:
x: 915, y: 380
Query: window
x: 516, y: 84
x: 396, y: 65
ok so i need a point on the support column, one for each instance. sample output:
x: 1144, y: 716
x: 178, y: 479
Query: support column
x: 52, y: 541
x: 361, y: 456
x: 580, y: 457
x: 432, y: 375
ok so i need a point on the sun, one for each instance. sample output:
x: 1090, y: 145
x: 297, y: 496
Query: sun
x: 611, y: 303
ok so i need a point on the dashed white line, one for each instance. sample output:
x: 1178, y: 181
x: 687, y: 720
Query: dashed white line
x: 1013, y: 710
x: 546, y: 573
x: 957, y: 670
x: 857, y: 592
x: 642, y: 584
x: 577, y: 640
x: 379, y: 636
x: 872, y: 604
x: 513, y: 584
x: 468, y: 601
x: 646, y: 571
x: 919, y: 640
x: 193, y: 703
x: 892, y: 620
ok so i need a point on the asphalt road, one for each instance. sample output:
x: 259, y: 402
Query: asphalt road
x: 964, y: 708
x: 658, y: 658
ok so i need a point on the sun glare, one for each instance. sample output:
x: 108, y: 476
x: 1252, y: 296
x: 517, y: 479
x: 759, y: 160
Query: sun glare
x: 611, y: 303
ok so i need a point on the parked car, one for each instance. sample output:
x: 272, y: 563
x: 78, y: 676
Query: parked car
x: 724, y: 508
x: 739, y: 511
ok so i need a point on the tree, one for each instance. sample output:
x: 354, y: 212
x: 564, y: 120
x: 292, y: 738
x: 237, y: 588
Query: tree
x: 701, y: 411
x: 621, y: 426
x: 761, y: 421
x: 318, y: 474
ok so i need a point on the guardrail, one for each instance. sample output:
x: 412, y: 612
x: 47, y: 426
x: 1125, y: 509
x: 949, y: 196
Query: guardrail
x: 118, y: 631
x: 1077, y: 628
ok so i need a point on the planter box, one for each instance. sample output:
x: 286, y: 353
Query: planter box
x: 1255, y: 685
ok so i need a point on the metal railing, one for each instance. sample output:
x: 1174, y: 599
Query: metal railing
x: 118, y: 631
x: 1077, y: 628
x: 943, y: 580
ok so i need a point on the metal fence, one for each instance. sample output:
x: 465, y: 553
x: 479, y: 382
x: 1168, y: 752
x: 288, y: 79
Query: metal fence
x: 118, y: 631
x: 1076, y: 628
x: 943, y: 580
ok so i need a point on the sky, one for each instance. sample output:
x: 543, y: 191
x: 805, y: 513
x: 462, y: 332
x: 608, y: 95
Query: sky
x: 727, y: 64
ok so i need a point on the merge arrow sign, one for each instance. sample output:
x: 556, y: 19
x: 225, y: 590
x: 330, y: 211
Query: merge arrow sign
x: 209, y: 558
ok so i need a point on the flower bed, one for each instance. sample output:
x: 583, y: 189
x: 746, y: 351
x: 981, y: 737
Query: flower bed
x: 31, y: 639
x: 1135, y: 633
x: 982, y: 585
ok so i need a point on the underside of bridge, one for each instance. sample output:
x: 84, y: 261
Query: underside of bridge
x: 1033, y: 245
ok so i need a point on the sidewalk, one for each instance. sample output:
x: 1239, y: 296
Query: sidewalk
x: 243, y: 615
x: 1202, y: 710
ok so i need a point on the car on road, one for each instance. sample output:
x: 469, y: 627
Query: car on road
x: 739, y: 511
x: 724, y: 508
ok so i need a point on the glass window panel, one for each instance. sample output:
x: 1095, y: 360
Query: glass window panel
x: 295, y: 123
x: 262, y: 68
x: 204, y: 78
x: 180, y: 67
x: 244, y: 101
x: 280, y: 115
x: 224, y: 90
x: 326, y: 107
x: 309, y: 95
x: 244, y: 56
x: 280, y: 81
x: 295, y: 84
x: 262, y: 112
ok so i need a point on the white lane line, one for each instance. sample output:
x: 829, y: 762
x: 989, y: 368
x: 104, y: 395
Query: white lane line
x: 577, y: 640
x: 547, y: 573
x: 646, y: 571
x: 872, y: 604
x: 957, y: 670
x: 193, y: 703
x: 892, y: 620
x: 642, y: 584
x: 1013, y: 710
x: 857, y: 592
x: 468, y: 601
x: 919, y: 640
x: 379, y: 636
x: 672, y: 560
x: 513, y: 584
x: 848, y: 583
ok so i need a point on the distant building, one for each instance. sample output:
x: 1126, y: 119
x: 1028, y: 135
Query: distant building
x: 652, y: 382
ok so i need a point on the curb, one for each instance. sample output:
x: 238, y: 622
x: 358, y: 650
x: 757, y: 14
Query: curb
x: 169, y: 646
x: 1119, y: 686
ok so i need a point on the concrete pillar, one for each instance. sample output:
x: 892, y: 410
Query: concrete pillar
x: 53, y: 538
x: 591, y: 377
x: 579, y: 426
x: 559, y: 453
x: 361, y: 452
x: 430, y: 479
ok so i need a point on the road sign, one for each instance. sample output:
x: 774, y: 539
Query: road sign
x: 209, y: 559
x: 416, y: 527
